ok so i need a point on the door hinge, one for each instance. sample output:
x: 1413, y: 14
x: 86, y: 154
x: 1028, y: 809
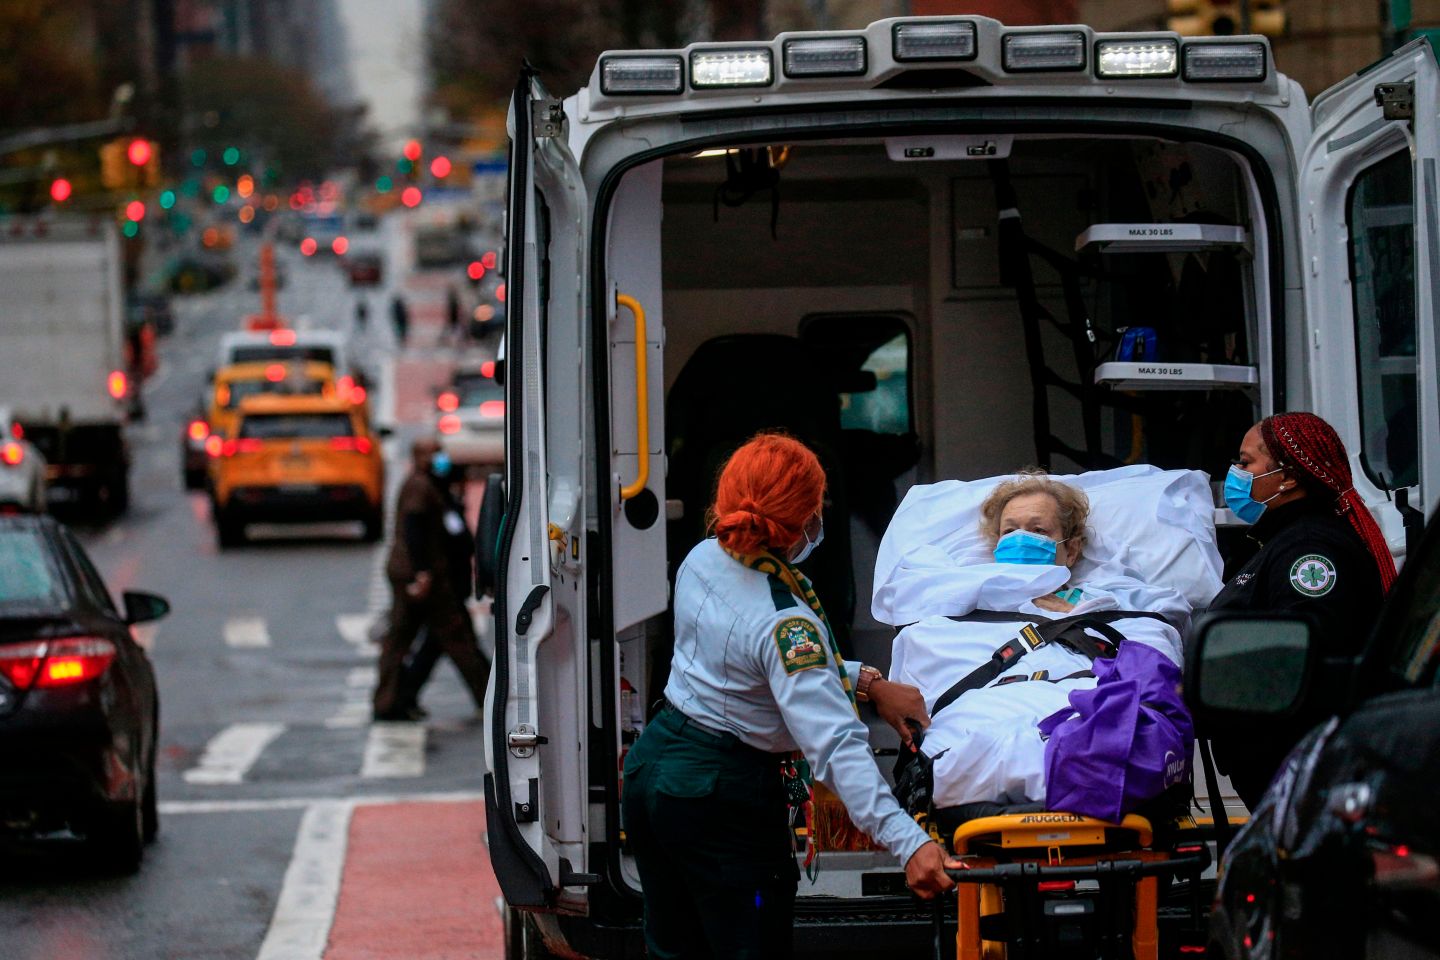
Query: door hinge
x: 1396, y: 100
x: 523, y: 740
x: 547, y: 117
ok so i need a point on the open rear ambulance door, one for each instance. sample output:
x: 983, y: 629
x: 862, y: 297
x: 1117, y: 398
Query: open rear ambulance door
x: 534, y: 786
x: 1369, y: 223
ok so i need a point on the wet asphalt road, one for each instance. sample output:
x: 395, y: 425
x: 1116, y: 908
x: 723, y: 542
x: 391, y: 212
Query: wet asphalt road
x: 268, y: 639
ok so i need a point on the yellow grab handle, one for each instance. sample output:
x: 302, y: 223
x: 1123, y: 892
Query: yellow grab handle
x: 642, y: 398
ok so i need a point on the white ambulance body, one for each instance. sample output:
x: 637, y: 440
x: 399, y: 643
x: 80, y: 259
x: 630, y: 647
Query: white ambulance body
x: 933, y: 248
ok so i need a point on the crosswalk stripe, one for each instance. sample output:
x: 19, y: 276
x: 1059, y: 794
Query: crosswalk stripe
x: 394, y: 750
x: 355, y: 710
x: 354, y: 628
x: 247, y: 632
x: 300, y: 926
x: 232, y: 752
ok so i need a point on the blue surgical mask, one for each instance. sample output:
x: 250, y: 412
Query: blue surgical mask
x: 810, y: 545
x: 440, y: 464
x: 1238, y: 483
x: 1022, y: 546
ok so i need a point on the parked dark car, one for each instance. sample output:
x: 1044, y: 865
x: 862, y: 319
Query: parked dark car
x: 78, y: 706
x: 1342, y: 857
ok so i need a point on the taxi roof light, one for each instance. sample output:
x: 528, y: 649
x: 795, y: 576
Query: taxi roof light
x: 825, y: 57
x: 1223, y: 62
x: 947, y: 40
x: 640, y: 76
x: 1126, y: 59
x: 750, y: 67
x: 1034, y: 52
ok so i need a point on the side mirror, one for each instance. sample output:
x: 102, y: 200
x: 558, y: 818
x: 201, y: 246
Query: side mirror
x: 144, y: 607
x: 500, y: 372
x: 1248, y: 667
x: 487, y: 534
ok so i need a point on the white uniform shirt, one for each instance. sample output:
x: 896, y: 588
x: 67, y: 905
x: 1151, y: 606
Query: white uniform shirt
x: 752, y: 659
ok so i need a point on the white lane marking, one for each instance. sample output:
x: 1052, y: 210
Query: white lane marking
x: 387, y: 391
x: 300, y: 926
x: 354, y: 628
x: 232, y: 752
x: 355, y: 710
x: 394, y: 750
x: 183, y: 807
x: 248, y: 632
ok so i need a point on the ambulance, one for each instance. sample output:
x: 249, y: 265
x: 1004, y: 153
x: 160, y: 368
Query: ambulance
x: 932, y: 248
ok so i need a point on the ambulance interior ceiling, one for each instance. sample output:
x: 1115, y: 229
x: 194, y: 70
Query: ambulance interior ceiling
x: 804, y: 280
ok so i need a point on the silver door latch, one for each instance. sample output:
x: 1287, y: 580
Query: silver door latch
x: 547, y: 117
x: 523, y: 740
x: 1396, y: 100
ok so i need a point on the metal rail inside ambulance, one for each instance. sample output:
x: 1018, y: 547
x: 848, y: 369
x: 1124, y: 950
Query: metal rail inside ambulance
x: 933, y: 248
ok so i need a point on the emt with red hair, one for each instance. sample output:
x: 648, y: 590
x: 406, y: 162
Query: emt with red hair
x: 1320, y: 551
x: 756, y: 676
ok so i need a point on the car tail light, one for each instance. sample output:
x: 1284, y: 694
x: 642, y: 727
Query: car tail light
x: 487, y: 369
x: 199, y: 430
x: 492, y: 408
x: 17, y: 431
x: 214, y: 446
x: 351, y: 444
x: 275, y: 372
x: 282, y: 338
x: 12, y: 454
x: 339, y: 245
x: 448, y: 401
x: 228, y: 448
x: 56, y: 663
x: 1055, y: 886
x: 449, y: 423
x: 117, y: 384
x: 357, y: 395
x: 308, y: 246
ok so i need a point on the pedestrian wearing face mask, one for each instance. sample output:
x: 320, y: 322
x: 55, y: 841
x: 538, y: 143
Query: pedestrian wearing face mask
x: 756, y: 676
x: 1319, y: 551
x: 428, y: 581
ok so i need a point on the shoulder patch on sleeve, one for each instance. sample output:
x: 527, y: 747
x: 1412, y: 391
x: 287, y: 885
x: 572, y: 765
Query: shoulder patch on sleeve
x: 1313, y: 575
x: 800, y: 644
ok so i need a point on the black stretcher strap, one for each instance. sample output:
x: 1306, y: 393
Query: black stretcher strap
x: 1067, y: 631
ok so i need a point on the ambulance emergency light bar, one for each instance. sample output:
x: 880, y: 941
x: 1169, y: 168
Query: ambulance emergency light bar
x: 979, y: 47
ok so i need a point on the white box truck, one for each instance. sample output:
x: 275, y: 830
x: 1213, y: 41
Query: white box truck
x: 922, y: 248
x: 62, y: 351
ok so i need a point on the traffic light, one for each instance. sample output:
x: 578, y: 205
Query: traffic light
x: 440, y: 167
x: 128, y: 162
x: 114, y: 168
x: 1268, y: 18
x: 138, y: 152
x: 412, y: 150
x: 60, y: 190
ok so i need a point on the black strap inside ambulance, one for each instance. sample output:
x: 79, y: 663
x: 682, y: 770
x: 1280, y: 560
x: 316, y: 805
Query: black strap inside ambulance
x: 1069, y: 632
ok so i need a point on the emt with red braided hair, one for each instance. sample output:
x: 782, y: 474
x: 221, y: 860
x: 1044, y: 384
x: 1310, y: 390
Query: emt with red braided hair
x: 756, y: 676
x: 1320, y: 551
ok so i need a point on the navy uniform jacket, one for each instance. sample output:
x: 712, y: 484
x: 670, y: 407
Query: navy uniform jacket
x: 752, y: 659
x: 1310, y: 559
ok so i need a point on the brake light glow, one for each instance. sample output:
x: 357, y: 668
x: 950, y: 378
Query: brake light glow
x: 492, y: 408
x: 275, y: 372
x: 17, y: 431
x: 1055, y: 886
x: 339, y: 245
x: 12, y: 454
x: 308, y: 246
x: 448, y: 401
x: 351, y: 444
x: 117, y: 384
x: 282, y: 338
x: 199, y: 430
x: 229, y: 448
x: 357, y: 395
x: 214, y: 445
x: 449, y: 423
x: 487, y: 369
x: 56, y: 663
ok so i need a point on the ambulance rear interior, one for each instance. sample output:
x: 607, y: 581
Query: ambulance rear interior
x: 866, y: 294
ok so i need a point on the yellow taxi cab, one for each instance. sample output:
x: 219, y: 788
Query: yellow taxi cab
x: 296, y: 459
x: 234, y: 383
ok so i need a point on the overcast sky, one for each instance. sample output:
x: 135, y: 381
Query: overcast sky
x: 385, y: 38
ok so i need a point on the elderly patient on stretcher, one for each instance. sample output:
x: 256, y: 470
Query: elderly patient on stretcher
x: 1051, y: 675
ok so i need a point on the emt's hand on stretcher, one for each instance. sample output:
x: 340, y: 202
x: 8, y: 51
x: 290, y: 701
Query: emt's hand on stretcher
x: 1053, y: 603
x: 925, y: 873
x: 896, y: 703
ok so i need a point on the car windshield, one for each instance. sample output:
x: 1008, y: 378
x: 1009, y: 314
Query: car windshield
x: 29, y: 577
x: 295, y: 426
x: 268, y: 352
x: 300, y: 386
x: 475, y: 389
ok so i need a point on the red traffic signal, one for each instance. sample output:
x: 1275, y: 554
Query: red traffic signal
x: 135, y: 210
x: 411, y: 197
x: 476, y: 270
x: 60, y: 190
x: 139, y: 151
x: 489, y: 260
x: 412, y: 150
x: 440, y: 168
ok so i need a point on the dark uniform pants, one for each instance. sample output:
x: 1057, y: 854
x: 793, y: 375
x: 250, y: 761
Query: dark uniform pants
x: 444, y: 616
x: 705, y: 816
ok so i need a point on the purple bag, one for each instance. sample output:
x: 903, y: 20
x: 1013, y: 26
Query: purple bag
x: 1123, y: 742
